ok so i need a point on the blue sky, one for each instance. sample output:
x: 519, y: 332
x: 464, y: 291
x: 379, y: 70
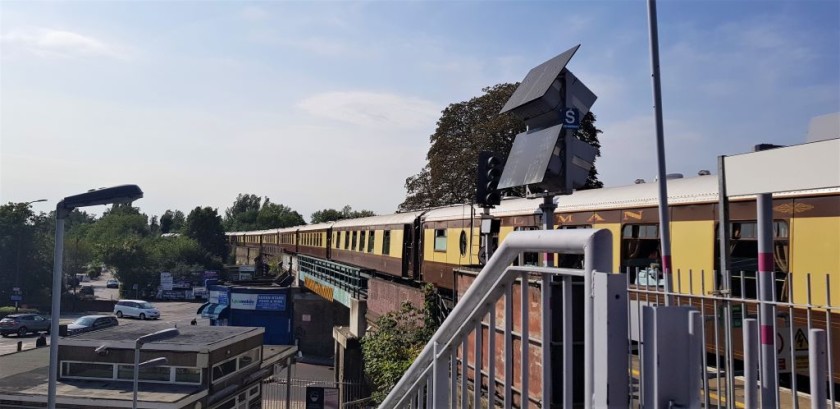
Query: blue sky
x: 321, y: 104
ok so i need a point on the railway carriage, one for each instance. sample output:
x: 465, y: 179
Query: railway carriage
x: 314, y: 240
x: 385, y: 244
x: 451, y: 239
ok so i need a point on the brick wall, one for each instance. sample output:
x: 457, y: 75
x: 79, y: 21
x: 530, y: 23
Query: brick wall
x: 385, y: 296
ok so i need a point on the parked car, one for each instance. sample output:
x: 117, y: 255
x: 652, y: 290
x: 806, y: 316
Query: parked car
x: 112, y: 283
x: 22, y: 324
x: 136, y: 308
x: 86, y: 292
x: 91, y: 323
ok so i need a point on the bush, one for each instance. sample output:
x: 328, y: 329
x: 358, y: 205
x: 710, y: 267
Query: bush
x: 4, y: 311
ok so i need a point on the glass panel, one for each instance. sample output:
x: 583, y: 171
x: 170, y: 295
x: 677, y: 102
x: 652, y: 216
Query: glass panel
x: 362, y: 241
x: 371, y: 240
x: 386, y: 243
x: 249, y: 358
x: 188, y: 375
x: 89, y: 370
x: 440, y: 240
x: 224, y: 369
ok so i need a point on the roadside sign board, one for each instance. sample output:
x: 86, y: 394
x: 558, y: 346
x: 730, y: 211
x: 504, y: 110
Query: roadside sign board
x: 16, y: 297
x: 166, y: 281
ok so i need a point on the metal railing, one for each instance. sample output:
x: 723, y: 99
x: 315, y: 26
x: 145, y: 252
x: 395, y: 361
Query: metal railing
x: 731, y: 342
x: 435, y: 379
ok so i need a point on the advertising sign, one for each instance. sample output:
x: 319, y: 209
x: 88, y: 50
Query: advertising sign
x: 166, y: 281
x: 218, y: 297
x: 258, y: 302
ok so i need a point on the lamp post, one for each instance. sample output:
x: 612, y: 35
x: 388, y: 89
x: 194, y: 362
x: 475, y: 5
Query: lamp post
x: 17, y: 266
x: 145, y: 339
x: 116, y: 194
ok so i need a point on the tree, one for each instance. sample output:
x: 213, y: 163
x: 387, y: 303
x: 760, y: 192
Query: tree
x: 396, y: 340
x: 204, y: 225
x: 171, y: 222
x: 242, y: 216
x: 25, y: 252
x: 331, y: 215
x: 273, y: 216
x: 463, y: 130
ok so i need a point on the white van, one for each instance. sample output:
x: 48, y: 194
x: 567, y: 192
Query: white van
x: 136, y: 308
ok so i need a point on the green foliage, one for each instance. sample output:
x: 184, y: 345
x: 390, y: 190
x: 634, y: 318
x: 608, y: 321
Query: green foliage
x: 26, y: 248
x: 250, y: 212
x: 463, y: 130
x: 272, y: 216
x: 331, y: 215
x: 171, y: 222
x: 396, y: 340
x: 204, y: 226
x: 4, y: 311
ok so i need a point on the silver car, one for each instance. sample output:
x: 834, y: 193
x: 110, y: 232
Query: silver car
x: 136, y: 308
x: 22, y: 324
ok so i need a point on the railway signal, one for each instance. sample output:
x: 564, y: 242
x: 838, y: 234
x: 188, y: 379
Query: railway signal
x: 487, y: 179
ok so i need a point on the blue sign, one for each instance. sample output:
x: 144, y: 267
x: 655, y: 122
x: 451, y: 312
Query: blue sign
x: 16, y: 297
x: 271, y: 302
x: 571, y: 118
x: 223, y: 298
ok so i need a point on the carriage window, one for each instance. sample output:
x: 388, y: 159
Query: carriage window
x: 362, y: 241
x: 639, y: 248
x: 743, y: 258
x: 335, y: 239
x: 346, y: 240
x: 571, y: 260
x: 386, y: 242
x: 371, y: 239
x: 355, y: 235
x: 440, y: 240
x: 462, y: 243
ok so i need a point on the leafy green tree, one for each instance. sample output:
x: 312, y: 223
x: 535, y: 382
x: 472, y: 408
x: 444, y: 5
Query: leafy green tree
x: 242, y: 216
x: 25, y: 252
x: 463, y: 130
x: 273, y: 215
x: 204, y: 226
x: 171, y: 222
x: 331, y: 215
x: 396, y: 340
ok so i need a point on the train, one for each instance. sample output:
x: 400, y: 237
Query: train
x: 427, y: 246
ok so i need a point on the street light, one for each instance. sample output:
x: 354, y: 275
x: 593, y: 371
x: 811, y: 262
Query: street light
x: 145, y: 339
x: 116, y: 194
x: 17, y: 292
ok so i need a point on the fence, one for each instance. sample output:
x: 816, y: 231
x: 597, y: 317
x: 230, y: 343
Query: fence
x: 732, y: 346
x: 280, y: 392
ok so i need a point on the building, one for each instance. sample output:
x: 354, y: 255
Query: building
x: 207, y: 367
x: 268, y: 307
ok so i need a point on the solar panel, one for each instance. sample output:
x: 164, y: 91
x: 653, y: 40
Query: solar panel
x: 539, y: 80
x: 529, y: 157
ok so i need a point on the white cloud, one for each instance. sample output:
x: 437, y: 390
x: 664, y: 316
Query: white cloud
x: 52, y: 43
x: 254, y: 13
x: 371, y: 109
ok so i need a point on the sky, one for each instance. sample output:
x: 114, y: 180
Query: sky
x: 323, y: 104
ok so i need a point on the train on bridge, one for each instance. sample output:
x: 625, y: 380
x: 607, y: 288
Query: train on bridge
x: 436, y: 245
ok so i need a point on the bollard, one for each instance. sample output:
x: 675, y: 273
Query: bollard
x: 750, y: 363
x: 20, y: 346
x: 817, y: 359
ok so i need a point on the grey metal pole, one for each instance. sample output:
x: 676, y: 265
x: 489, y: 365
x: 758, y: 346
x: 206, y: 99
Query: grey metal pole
x: 289, y: 379
x: 664, y: 217
x: 817, y: 357
x: 750, y: 363
x: 724, y: 269
x: 55, y: 311
x: 137, y: 347
x: 767, y: 321
x: 546, y: 318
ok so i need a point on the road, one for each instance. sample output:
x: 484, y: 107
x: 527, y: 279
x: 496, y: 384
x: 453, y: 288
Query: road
x: 181, y: 313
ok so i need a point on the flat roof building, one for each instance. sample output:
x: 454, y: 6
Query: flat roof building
x: 207, y: 367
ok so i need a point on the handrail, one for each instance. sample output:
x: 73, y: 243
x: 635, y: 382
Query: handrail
x: 490, y: 283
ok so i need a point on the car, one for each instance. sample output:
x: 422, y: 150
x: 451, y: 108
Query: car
x: 86, y: 292
x: 112, y: 283
x: 22, y: 324
x: 136, y: 308
x: 91, y: 323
